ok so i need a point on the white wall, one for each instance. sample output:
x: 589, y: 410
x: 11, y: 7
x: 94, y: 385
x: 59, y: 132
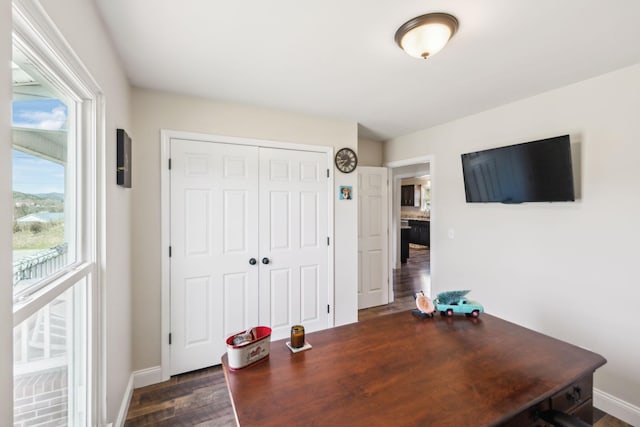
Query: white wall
x: 566, y: 269
x: 82, y: 27
x: 154, y: 111
x: 369, y: 152
x: 6, y: 214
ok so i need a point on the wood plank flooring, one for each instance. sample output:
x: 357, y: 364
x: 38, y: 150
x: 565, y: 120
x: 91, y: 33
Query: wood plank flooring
x: 200, y: 398
x: 411, y: 278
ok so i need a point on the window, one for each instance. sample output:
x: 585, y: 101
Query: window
x: 50, y: 374
x: 425, y: 197
x: 56, y: 109
x: 44, y: 227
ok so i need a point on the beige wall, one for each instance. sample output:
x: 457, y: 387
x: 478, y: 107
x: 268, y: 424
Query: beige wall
x: 6, y: 214
x: 82, y: 28
x: 154, y: 111
x: 369, y: 152
x: 566, y: 269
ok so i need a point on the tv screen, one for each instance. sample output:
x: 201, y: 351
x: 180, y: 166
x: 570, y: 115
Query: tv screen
x: 537, y: 171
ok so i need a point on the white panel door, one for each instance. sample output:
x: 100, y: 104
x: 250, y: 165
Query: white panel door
x: 373, y: 264
x: 293, y: 240
x: 214, y: 224
x: 231, y: 204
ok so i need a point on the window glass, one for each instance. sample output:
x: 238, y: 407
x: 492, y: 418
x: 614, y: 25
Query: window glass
x: 43, y: 164
x: 50, y: 363
x: 425, y: 190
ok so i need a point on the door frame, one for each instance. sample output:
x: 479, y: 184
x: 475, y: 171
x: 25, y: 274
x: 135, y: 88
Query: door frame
x: 394, y: 219
x: 166, y: 135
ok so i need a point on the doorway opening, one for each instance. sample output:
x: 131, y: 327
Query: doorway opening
x: 411, y: 214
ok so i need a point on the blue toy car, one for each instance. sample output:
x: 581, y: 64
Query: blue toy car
x: 448, y: 303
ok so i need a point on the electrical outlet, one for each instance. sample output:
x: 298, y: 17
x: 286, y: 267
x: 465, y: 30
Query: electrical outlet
x: 452, y: 233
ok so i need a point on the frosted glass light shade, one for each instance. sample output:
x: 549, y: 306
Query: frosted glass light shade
x: 426, y: 35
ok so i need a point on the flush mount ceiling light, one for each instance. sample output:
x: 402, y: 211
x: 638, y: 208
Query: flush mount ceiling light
x: 426, y: 35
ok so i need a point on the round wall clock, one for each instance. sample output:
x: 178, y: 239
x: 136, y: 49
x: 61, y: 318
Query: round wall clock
x: 346, y: 160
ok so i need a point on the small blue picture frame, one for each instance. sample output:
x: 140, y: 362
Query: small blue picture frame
x: 346, y: 192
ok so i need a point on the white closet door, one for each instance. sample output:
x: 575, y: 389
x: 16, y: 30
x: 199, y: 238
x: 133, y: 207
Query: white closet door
x: 373, y: 263
x: 214, y: 224
x: 293, y: 240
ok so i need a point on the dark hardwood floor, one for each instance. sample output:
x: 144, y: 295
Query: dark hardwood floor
x: 414, y: 276
x: 200, y: 398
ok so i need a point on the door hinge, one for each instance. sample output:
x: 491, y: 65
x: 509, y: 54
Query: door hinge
x: 169, y: 338
x: 169, y: 164
x: 328, y: 241
x: 327, y: 173
x: 328, y: 309
x: 169, y: 251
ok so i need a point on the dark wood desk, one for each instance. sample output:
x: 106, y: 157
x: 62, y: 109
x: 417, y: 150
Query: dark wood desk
x: 397, y: 370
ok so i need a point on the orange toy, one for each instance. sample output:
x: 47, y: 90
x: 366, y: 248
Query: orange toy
x: 424, y: 304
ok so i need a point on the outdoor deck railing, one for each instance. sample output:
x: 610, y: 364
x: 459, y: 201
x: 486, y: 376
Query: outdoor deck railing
x: 42, y: 337
x: 40, y: 264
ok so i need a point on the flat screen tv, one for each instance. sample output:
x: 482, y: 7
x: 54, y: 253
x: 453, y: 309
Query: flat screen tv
x: 536, y: 171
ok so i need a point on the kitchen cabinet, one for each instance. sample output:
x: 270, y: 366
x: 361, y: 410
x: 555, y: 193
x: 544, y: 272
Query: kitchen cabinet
x: 410, y: 195
x: 404, y: 244
x: 406, y: 195
x: 420, y: 233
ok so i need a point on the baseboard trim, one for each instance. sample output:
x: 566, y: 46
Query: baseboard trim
x: 124, y: 405
x: 618, y: 408
x: 137, y: 379
x: 145, y: 377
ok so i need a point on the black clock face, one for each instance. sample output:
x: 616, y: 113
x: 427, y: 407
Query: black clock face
x: 346, y: 160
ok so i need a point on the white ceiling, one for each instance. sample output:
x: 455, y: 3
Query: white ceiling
x: 338, y: 58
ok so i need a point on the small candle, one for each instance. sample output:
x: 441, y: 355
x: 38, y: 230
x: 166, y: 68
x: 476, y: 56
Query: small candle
x: 297, y: 336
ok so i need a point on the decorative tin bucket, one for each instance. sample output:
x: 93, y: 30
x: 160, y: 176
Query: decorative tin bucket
x: 243, y: 355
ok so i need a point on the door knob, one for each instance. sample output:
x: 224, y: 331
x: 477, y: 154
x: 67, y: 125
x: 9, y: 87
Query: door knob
x: 265, y: 260
x: 252, y: 261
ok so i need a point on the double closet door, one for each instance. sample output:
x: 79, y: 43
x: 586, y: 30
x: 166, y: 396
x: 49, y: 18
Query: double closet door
x: 249, y: 228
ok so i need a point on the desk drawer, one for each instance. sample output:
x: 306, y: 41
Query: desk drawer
x: 575, y: 399
x: 574, y: 395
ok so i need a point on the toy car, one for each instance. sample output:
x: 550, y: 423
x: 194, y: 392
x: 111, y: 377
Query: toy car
x: 448, y: 303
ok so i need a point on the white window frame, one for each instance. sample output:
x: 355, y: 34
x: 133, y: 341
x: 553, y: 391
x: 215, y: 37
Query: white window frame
x: 35, y: 33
